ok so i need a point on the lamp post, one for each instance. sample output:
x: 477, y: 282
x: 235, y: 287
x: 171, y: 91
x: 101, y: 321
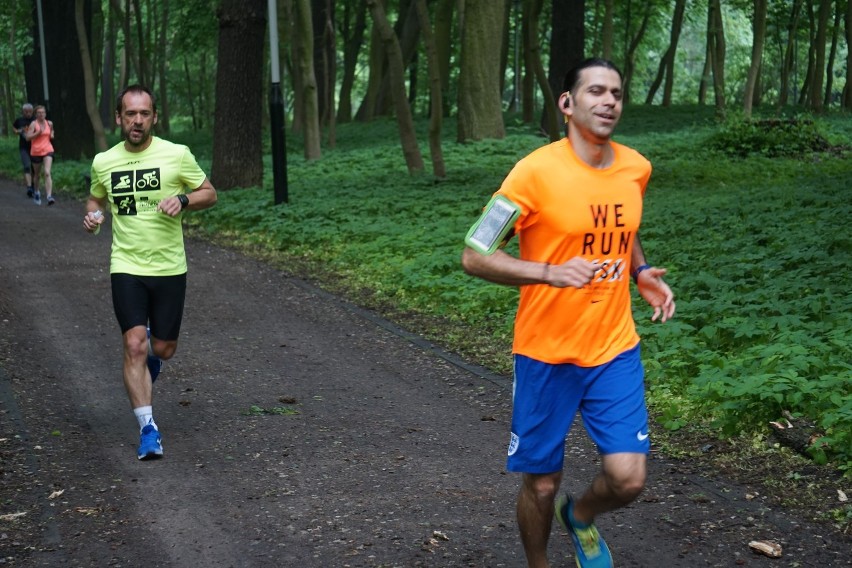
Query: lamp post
x: 276, y: 112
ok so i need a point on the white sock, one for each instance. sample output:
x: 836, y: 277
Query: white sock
x: 145, y: 416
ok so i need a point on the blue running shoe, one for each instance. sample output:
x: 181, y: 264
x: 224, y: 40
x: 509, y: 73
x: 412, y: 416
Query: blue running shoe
x: 37, y: 198
x: 591, y: 550
x: 155, y: 364
x: 150, y: 444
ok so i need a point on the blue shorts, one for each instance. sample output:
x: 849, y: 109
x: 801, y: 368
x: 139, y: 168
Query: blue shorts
x: 546, y: 398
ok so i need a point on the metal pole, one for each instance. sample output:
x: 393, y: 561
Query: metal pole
x: 43, y: 56
x: 276, y: 112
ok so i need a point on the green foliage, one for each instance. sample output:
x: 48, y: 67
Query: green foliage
x: 771, y: 137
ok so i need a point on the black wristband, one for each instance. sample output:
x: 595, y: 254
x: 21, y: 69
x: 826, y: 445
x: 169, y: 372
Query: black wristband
x: 639, y: 269
x: 184, y: 201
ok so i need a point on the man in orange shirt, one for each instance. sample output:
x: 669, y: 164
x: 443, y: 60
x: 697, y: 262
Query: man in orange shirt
x: 577, y: 208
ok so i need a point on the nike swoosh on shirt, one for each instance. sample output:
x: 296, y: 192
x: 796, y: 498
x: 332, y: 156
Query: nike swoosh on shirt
x: 641, y: 437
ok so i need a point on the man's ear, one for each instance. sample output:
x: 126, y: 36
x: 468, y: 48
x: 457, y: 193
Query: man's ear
x: 155, y: 118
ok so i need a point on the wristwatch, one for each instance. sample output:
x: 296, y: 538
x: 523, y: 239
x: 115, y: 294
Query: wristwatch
x: 184, y: 201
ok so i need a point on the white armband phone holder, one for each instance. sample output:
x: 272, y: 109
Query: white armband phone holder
x: 490, y: 230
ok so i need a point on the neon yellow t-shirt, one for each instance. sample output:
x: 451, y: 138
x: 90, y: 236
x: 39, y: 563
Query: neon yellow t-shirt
x: 571, y: 209
x: 144, y: 241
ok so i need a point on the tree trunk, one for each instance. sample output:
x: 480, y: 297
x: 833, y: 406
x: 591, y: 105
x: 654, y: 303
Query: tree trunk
x: 607, y: 32
x: 325, y: 56
x: 303, y: 60
x: 480, y: 112
x: 759, y: 35
x: 162, y: 58
x: 436, y: 113
x: 567, y: 39
x: 819, y: 63
x: 88, y: 76
x: 630, y: 58
x: 410, y: 149
x: 829, y: 66
x: 107, y: 104
x: 353, y: 38
x: 66, y: 104
x: 805, y: 92
x: 528, y: 100
x: 789, y: 52
x: 847, y: 91
x: 237, y: 148
x: 719, y: 49
x: 666, y: 67
x: 443, y: 43
x: 375, y: 68
x: 532, y: 13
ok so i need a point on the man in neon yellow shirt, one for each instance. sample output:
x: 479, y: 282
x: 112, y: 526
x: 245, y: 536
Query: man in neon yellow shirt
x: 577, y: 208
x: 146, y: 182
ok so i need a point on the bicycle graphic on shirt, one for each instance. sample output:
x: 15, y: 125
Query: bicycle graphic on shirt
x: 148, y: 180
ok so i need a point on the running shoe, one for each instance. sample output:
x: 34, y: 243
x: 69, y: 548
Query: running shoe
x: 155, y: 364
x: 150, y: 444
x: 50, y: 200
x: 37, y: 198
x: 591, y: 550
x: 30, y: 192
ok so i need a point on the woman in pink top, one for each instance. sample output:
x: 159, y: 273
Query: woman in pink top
x: 40, y: 134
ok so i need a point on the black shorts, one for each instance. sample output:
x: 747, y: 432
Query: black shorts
x: 153, y: 301
x: 40, y: 159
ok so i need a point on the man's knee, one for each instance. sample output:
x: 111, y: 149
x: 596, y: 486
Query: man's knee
x: 542, y: 486
x: 625, y: 475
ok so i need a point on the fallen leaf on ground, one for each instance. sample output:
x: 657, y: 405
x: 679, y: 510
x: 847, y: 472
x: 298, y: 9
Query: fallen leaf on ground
x: 766, y: 547
x: 11, y: 516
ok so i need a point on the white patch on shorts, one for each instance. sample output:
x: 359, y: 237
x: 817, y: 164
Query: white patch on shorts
x: 513, y: 443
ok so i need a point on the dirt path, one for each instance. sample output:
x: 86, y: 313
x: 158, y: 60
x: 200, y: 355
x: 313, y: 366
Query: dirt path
x: 395, y: 456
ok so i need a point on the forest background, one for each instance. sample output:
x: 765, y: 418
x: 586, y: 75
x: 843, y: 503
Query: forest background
x: 743, y: 107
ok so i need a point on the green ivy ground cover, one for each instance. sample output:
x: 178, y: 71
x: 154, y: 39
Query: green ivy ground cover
x: 758, y: 253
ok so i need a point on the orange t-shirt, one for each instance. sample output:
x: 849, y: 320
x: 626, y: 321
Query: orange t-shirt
x: 570, y: 209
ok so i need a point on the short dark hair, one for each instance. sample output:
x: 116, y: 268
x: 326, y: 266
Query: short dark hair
x: 119, y: 101
x: 572, y: 77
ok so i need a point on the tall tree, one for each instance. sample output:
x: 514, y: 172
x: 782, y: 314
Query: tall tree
x: 325, y: 56
x: 74, y: 137
x: 607, y: 30
x: 375, y: 72
x: 716, y: 34
x: 666, y: 67
x: 829, y: 66
x: 567, y: 39
x: 410, y: 149
x: 353, y: 25
x: 632, y: 44
x: 847, y: 90
x: 88, y: 75
x: 789, y: 58
x: 303, y: 63
x: 532, y: 51
x: 480, y: 113
x: 444, y: 11
x: 237, y: 148
x: 815, y: 93
x: 759, y: 37
x: 436, y: 112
